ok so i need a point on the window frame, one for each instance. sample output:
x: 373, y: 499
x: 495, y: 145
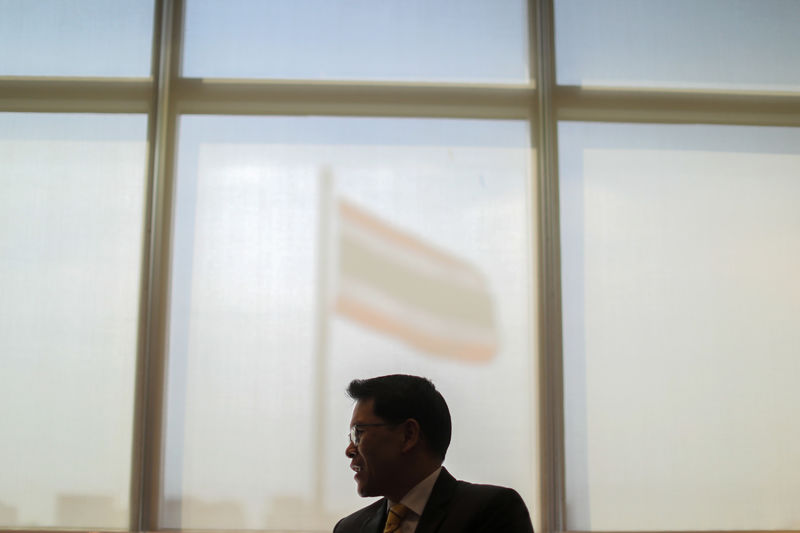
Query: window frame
x: 166, y: 95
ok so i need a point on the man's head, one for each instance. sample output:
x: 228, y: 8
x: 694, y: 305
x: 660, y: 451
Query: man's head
x: 402, y: 427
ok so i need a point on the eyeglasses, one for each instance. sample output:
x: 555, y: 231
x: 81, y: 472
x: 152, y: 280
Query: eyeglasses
x: 356, y: 431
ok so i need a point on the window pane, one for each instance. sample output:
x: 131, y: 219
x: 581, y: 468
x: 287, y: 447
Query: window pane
x: 719, y: 44
x: 414, y: 40
x: 680, y: 255
x: 86, y: 38
x: 70, y: 253
x: 245, y: 374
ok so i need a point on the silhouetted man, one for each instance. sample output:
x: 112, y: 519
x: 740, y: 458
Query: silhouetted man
x: 399, y: 434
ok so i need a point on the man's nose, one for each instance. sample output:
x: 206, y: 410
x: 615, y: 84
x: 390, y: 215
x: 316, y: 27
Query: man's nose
x: 351, y: 450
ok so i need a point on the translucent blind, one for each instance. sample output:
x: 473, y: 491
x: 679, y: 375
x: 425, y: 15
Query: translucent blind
x: 414, y: 40
x: 85, y: 38
x: 679, y: 44
x: 681, y: 248
x: 257, y: 413
x: 71, y: 221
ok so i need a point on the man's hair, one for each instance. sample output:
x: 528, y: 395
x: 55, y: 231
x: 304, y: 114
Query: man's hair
x: 399, y: 397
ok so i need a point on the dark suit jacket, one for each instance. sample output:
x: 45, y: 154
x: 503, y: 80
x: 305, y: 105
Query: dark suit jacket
x: 453, y: 507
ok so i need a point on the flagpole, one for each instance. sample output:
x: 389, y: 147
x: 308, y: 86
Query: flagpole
x: 322, y: 329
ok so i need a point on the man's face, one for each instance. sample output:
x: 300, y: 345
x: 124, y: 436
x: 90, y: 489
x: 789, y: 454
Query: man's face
x: 376, y: 458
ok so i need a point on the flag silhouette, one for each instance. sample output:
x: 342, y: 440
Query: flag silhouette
x: 399, y: 285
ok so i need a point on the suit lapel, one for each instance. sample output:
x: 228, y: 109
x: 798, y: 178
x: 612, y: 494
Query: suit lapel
x: 377, y: 520
x: 436, y: 509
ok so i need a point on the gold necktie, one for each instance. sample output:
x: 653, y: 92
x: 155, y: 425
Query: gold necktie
x: 397, y: 512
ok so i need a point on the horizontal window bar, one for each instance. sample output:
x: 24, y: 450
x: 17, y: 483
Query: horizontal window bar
x: 606, y: 105
x: 245, y: 97
x: 201, y: 96
x: 89, y: 95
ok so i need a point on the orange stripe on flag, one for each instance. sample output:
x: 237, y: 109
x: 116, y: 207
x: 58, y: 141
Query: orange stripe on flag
x: 381, y: 321
x: 380, y: 228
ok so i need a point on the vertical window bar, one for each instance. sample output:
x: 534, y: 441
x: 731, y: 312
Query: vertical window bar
x: 143, y: 364
x: 551, y: 385
x: 148, y: 447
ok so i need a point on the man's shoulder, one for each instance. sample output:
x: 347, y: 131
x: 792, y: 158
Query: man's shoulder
x: 482, y: 507
x: 485, y: 492
x: 356, y: 520
x: 447, y: 483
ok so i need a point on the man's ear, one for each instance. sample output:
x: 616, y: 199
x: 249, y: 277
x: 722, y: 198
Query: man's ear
x: 411, y: 434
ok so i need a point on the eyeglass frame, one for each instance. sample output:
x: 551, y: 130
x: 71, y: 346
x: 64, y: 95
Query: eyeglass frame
x: 355, y: 431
